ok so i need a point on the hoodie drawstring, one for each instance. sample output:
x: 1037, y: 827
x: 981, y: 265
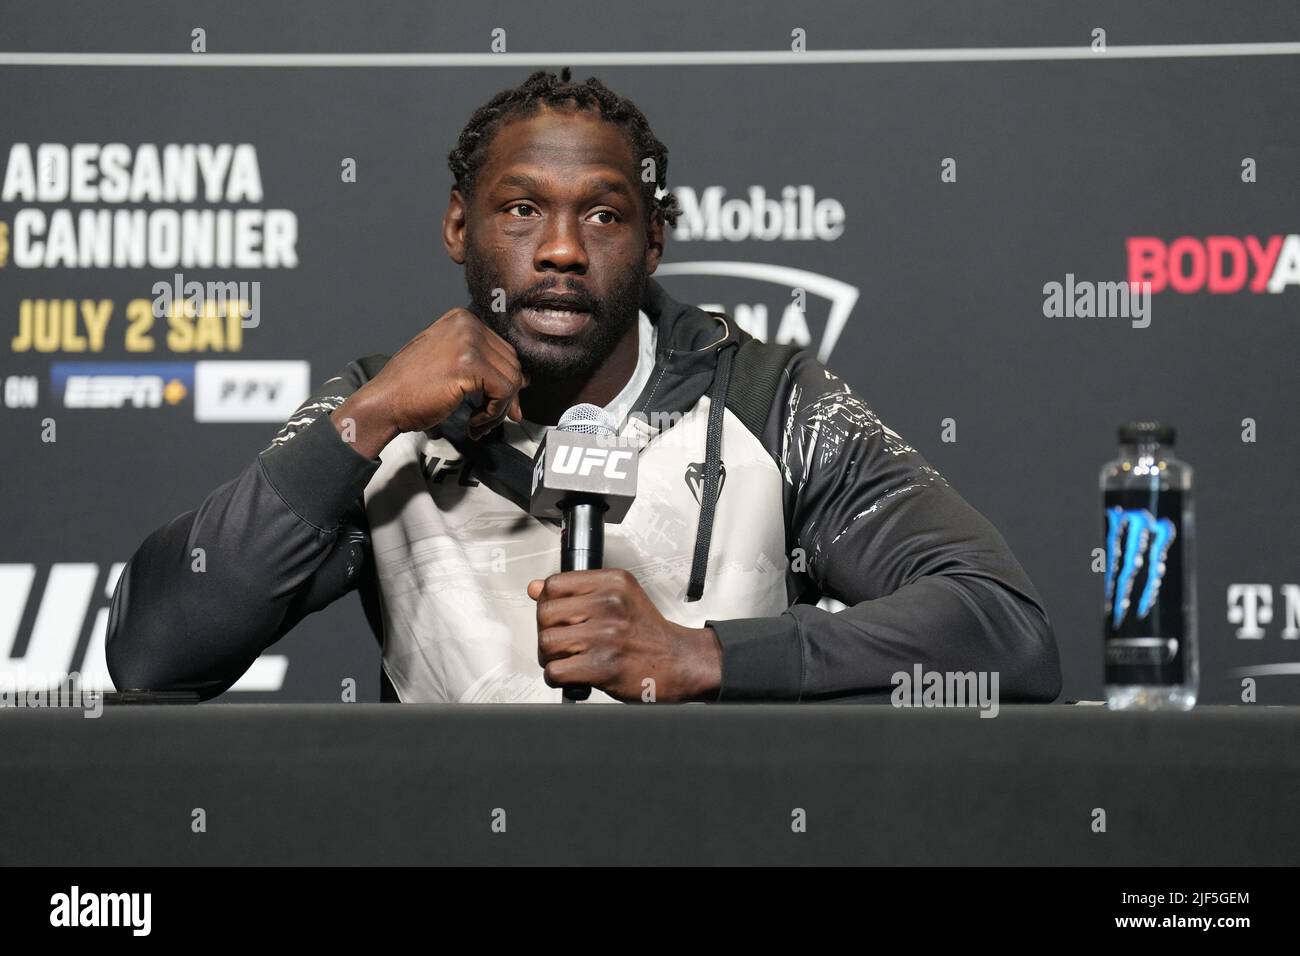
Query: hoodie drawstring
x: 712, y: 470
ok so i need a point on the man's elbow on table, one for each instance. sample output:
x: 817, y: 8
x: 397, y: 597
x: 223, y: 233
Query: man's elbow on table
x: 134, y: 665
x: 142, y: 649
x: 1032, y: 669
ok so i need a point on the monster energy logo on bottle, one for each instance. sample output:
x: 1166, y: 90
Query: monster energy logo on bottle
x: 1135, y: 537
x: 1144, y: 594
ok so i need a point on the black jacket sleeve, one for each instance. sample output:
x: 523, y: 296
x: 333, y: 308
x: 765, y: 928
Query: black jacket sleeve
x: 207, y: 592
x: 927, y: 579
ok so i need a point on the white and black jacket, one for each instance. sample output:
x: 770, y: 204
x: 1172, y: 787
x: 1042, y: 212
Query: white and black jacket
x: 764, y: 485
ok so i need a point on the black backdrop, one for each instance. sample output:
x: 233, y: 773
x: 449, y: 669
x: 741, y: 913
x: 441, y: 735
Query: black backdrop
x: 1060, y: 159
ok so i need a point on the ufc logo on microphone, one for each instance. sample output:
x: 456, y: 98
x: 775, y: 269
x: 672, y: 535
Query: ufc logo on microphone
x: 575, y: 460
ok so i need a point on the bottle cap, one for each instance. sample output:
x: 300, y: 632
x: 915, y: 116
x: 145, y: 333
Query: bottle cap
x: 1146, y: 433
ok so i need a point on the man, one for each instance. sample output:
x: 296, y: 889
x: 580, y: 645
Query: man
x: 764, y: 483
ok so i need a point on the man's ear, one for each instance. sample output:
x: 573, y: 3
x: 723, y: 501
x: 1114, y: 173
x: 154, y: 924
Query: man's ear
x: 454, y: 224
x: 654, y: 242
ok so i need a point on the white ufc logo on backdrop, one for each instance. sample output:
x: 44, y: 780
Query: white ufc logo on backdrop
x: 60, y: 621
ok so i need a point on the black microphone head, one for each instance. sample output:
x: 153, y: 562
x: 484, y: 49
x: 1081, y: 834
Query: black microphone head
x: 587, y: 419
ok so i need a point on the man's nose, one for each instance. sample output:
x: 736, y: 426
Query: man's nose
x: 561, y: 248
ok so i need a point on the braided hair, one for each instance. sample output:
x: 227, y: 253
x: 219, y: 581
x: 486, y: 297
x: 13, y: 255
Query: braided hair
x: 546, y: 88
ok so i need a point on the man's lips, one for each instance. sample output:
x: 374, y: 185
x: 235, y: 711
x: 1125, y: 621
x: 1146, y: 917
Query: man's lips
x: 554, y: 320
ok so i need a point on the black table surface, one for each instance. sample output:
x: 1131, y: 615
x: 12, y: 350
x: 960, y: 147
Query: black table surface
x: 656, y: 784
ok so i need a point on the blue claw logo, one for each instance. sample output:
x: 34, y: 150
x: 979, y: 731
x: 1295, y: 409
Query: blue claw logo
x: 1132, y: 539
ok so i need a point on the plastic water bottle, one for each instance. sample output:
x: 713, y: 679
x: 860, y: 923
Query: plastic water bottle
x: 1150, y: 577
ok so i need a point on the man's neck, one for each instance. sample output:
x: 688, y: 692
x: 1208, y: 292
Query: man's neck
x: 544, y: 401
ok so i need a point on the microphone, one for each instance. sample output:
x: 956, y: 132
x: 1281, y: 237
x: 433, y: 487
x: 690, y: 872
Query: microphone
x: 582, y: 476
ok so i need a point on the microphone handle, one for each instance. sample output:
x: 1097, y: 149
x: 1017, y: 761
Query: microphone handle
x: 582, y: 548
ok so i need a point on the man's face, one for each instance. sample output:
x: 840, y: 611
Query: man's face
x: 557, y: 214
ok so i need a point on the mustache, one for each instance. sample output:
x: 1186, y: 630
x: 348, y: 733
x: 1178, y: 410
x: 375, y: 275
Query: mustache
x: 577, y: 300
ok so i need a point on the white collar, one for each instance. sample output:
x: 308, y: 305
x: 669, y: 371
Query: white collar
x: 620, y: 406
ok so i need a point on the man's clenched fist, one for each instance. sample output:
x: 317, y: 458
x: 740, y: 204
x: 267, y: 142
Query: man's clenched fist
x: 599, y: 628
x: 429, y: 377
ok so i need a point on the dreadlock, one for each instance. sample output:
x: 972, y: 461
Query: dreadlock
x: 546, y: 88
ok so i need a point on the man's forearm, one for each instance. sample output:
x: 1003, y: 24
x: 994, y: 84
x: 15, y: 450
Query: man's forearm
x: 363, y: 421
x: 706, y: 665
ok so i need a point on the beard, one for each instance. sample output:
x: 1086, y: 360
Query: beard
x: 545, y: 357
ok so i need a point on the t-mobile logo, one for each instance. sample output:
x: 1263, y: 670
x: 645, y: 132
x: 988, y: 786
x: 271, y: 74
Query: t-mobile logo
x: 1251, y: 606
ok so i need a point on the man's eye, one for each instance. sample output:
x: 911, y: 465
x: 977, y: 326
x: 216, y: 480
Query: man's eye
x: 518, y: 205
x: 607, y: 212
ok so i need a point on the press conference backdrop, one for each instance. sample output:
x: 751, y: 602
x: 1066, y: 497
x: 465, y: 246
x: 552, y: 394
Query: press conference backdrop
x: 924, y: 203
